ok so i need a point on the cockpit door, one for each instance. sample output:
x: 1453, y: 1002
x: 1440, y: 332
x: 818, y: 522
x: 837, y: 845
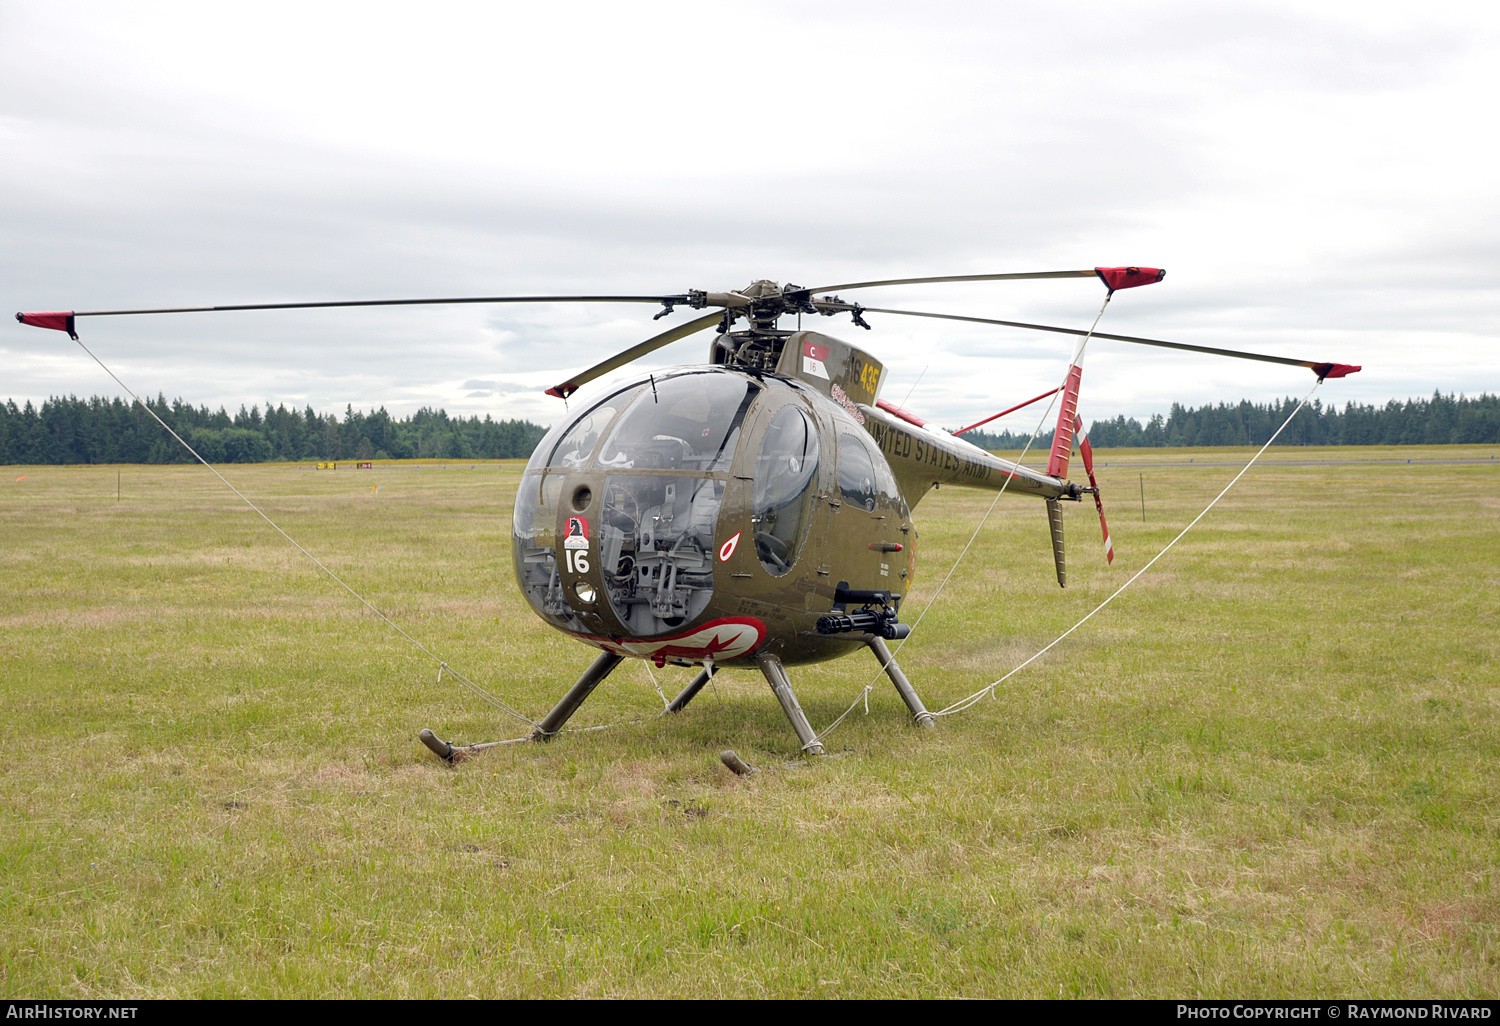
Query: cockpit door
x: 766, y: 528
x: 784, y: 488
x: 869, y: 526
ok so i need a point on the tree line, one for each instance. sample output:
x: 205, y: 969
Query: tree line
x: 98, y: 430
x: 1440, y: 420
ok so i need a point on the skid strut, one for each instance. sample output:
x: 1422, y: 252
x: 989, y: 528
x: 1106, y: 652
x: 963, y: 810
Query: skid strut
x: 782, y: 686
x: 903, y: 686
x: 691, y: 691
x: 597, y: 671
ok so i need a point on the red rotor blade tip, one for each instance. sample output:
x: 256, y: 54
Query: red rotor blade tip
x: 1334, y: 370
x: 57, y: 320
x: 1116, y: 278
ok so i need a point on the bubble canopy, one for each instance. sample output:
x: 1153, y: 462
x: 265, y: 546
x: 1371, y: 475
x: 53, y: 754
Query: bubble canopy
x: 652, y: 458
x: 684, y: 421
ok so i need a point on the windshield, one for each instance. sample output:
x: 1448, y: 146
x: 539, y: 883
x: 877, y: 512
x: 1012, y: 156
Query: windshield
x: 683, y: 422
x: 656, y: 548
x: 578, y: 444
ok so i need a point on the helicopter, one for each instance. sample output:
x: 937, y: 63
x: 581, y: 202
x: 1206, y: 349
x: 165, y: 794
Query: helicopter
x: 754, y: 511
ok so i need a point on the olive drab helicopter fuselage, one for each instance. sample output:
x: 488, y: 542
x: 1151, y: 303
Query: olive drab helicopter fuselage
x: 754, y: 511
x: 716, y: 513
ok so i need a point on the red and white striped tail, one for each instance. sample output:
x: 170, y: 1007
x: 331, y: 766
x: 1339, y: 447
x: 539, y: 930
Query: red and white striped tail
x: 1087, y: 451
x: 1070, y: 427
x: 1067, y: 419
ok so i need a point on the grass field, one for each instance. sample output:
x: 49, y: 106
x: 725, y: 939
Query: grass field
x: 1269, y: 769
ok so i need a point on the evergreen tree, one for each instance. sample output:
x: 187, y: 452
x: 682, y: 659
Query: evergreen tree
x: 97, y: 430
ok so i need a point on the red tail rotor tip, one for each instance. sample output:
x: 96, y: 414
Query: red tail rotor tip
x: 1116, y: 278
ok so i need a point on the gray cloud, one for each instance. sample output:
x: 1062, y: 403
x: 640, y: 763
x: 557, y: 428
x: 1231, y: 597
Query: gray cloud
x: 1314, y: 184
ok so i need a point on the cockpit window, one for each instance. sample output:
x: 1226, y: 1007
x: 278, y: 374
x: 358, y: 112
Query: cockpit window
x: 785, y: 473
x: 856, y: 473
x: 533, y: 542
x: 577, y: 444
x: 683, y: 422
x: 864, y: 475
x: 656, y: 548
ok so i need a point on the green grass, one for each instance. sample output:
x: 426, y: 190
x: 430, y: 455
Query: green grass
x: 1268, y: 769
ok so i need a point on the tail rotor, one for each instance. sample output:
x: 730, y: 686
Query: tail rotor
x: 1087, y: 452
x: 1069, y: 431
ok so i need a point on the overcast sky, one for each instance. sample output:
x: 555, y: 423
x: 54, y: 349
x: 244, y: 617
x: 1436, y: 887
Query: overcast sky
x: 1319, y: 180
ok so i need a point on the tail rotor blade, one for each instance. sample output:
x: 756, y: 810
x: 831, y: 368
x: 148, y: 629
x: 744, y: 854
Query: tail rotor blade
x: 1087, y: 452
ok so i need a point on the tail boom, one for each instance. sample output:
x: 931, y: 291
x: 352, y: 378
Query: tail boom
x: 923, y: 456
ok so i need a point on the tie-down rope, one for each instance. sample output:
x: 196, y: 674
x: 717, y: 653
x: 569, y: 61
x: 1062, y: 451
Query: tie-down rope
x: 989, y: 689
x: 962, y: 704
x: 443, y: 666
x: 864, y: 694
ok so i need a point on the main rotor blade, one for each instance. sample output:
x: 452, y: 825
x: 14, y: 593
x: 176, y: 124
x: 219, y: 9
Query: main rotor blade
x: 446, y: 301
x: 1023, y: 275
x: 1322, y: 370
x: 635, y: 352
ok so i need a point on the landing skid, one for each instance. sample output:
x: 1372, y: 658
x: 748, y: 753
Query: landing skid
x: 775, y: 674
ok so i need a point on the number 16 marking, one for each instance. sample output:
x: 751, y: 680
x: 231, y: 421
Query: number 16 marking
x: 578, y: 561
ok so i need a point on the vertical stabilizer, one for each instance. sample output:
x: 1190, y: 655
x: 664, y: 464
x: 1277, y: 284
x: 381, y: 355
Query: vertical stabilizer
x: 1067, y: 417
